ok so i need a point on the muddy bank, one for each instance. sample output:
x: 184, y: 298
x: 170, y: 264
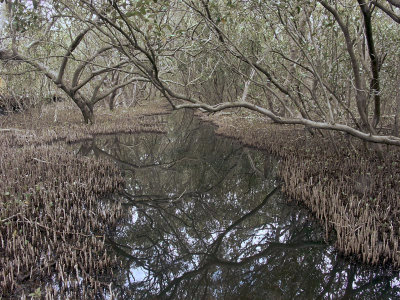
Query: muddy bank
x: 354, y: 194
x: 52, y: 224
x: 52, y: 221
x: 63, y: 122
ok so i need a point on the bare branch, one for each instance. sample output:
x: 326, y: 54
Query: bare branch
x: 387, y: 11
x: 110, y: 91
x: 83, y: 64
x: 75, y: 43
x: 94, y: 74
x: 394, y: 3
x: 359, y: 84
x: 389, y: 140
x: 7, y: 56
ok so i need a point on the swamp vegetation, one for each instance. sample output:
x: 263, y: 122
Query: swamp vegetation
x: 205, y: 219
x: 165, y: 208
x: 52, y: 221
x: 116, y: 182
x: 348, y: 188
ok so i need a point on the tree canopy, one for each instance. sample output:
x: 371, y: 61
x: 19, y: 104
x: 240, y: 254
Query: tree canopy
x: 320, y: 63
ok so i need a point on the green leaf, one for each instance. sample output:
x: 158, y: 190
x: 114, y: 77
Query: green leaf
x: 131, y: 13
x: 36, y: 294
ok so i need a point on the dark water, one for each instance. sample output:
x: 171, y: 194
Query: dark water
x: 204, y: 219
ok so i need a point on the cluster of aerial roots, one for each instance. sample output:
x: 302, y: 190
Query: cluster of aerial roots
x: 52, y: 221
x: 61, y: 122
x: 353, y: 191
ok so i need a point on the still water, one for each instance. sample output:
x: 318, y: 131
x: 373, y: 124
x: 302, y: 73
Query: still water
x: 204, y: 218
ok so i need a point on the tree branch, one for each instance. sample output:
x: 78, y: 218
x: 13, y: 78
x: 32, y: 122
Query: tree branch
x: 388, y: 140
x: 375, y: 83
x: 75, y: 43
x: 394, y: 3
x: 359, y: 85
x: 77, y: 87
x: 110, y: 91
x: 387, y: 11
x: 83, y: 64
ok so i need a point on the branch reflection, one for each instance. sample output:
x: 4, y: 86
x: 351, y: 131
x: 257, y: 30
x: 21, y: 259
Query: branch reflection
x: 205, y: 220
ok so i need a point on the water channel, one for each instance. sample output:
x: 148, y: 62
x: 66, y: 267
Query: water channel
x: 205, y: 219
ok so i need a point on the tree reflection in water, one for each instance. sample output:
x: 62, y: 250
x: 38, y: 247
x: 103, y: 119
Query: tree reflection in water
x: 205, y: 220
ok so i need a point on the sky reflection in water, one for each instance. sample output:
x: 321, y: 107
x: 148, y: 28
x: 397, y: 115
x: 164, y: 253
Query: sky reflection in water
x: 204, y: 220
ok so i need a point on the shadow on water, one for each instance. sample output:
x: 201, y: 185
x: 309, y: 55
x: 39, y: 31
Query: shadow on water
x: 204, y: 219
